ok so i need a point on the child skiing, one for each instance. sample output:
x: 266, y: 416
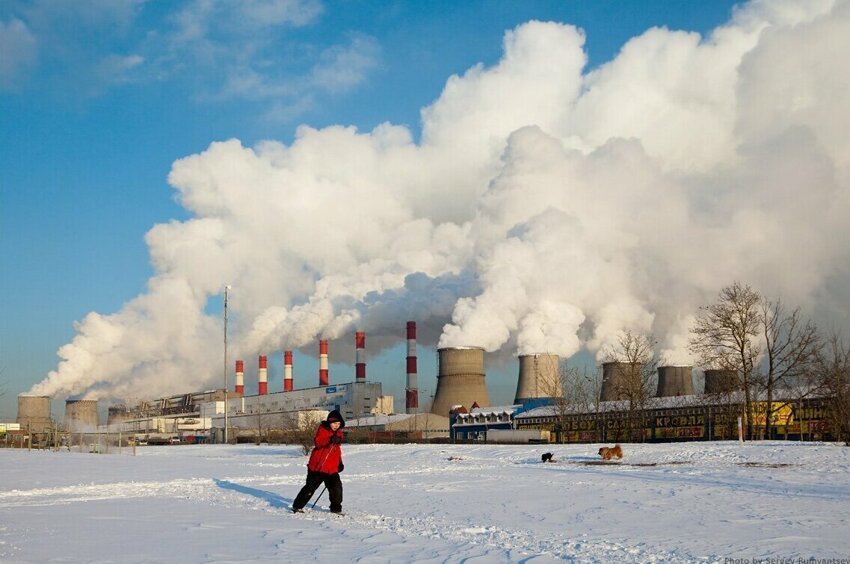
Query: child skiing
x: 325, y: 464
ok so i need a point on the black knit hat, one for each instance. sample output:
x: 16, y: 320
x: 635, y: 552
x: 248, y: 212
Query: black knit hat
x: 335, y: 415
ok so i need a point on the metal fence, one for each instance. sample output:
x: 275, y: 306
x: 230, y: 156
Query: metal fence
x: 92, y: 443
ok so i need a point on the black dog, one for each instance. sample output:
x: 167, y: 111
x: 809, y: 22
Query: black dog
x: 547, y: 457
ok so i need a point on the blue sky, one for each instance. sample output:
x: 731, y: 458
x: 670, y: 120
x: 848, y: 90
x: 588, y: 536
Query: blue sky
x: 100, y: 98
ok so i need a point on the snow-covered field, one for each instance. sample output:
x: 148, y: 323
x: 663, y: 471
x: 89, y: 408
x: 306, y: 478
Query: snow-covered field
x: 430, y: 503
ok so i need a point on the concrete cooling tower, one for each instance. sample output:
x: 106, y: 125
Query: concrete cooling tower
x: 81, y: 415
x: 34, y: 413
x: 719, y: 381
x: 460, y: 379
x: 116, y: 414
x: 675, y: 381
x: 614, y: 378
x: 538, y: 377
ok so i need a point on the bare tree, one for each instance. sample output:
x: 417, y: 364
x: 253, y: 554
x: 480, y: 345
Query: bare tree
x: 833, y: 375
x: 299, y: 428
x: 260, y: 414
x: 725, y: 334
x: 570, y: 393
x: 790, y: 349
x: 635, y: 352
x: 726, y: 405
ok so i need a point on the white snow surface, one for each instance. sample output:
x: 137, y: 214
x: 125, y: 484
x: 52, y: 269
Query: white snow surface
x: 678, y: 502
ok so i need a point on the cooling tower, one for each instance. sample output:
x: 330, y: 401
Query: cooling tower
x: 538, y: 377
x: 34, y: 413
x: 718, y: 381
x: 81, y: 415
x: 116, y: 414
x: 460, y: 379
x: 615, y: 380
x: 675, y: 381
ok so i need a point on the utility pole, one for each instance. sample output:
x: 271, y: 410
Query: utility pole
x: 226, y: 290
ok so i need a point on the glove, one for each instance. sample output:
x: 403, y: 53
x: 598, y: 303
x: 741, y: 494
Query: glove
x: 341, y: 467
x: 336, y: 440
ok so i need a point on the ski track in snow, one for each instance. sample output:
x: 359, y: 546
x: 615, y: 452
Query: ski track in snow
x: 817, y: 491
x: 507, y: 543
x: 519, y: 541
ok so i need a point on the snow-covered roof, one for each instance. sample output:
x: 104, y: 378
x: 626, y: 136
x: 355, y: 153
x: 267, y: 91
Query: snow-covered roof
x: 496, y: 409
x: 786, y: 394
x: 383, y: 419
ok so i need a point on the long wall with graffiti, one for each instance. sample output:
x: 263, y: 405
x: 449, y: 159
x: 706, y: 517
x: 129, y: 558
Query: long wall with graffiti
x: 795, y: 420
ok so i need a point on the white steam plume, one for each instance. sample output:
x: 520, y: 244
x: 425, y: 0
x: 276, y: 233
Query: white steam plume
x: 545, y: 210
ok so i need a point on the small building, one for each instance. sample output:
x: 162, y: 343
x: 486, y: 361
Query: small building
x: 9, y: 427
x: 474, y: 425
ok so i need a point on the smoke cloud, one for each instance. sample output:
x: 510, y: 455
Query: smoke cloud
x: 546, y: 208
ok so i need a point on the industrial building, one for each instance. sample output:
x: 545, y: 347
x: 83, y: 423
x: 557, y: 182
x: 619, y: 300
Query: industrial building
x: 249, y: 415
x: 179, y: 416
x: 398, y: 426
x: 684, y: 418
x: 201, y: 416
x: 674, y: 413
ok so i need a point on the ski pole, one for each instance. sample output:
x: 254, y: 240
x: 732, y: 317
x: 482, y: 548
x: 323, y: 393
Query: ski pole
x: 317, y: 499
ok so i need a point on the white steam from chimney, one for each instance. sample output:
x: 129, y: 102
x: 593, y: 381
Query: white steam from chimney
x: 546, y: 208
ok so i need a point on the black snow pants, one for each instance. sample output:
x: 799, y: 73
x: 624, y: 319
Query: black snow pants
x: 314, y: 479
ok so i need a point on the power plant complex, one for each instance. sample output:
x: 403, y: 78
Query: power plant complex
x: 461, y: 393
x: 204, y: 415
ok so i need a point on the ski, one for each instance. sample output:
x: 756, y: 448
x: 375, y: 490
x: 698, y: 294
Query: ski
x: 316, y: 511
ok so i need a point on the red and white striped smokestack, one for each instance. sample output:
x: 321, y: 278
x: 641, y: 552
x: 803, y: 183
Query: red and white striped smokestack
x: 287, y: 371
x: 412, y: 392
x: 263, y: 376
x: 323, y: 362
x: 360, y: 358
x: 240, y: 377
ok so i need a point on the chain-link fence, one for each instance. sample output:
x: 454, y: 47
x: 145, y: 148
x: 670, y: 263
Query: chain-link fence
x: 92, y: 443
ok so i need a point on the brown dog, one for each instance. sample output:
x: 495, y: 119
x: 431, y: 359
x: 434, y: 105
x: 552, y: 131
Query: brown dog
x: 607, y: 453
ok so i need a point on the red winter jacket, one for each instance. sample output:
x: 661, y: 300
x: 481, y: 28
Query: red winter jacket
x: 326, y: 455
